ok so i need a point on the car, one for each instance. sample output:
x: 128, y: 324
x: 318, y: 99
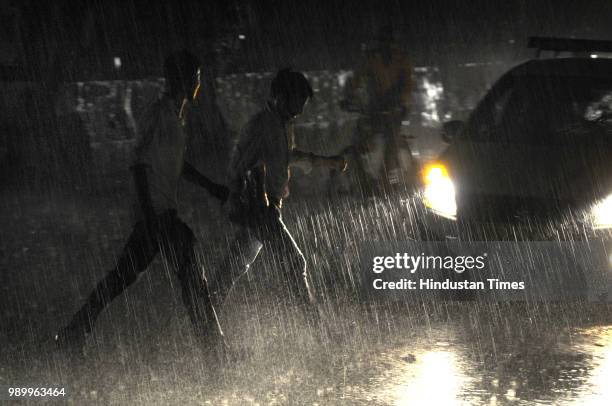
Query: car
x: 535, y: 154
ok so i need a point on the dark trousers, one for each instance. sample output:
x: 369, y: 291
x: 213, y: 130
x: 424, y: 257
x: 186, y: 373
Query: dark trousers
x: 176, y: 241
x: 269, y: 233
x: 385, y: 127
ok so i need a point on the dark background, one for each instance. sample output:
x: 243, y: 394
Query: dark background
x: 77, y: 40
x: 64, y: 218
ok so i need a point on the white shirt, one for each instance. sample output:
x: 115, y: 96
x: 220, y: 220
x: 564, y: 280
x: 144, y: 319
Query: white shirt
x: 161, y: 148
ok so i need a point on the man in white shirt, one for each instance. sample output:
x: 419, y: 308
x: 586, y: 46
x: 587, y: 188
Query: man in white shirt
x: 159, y: 164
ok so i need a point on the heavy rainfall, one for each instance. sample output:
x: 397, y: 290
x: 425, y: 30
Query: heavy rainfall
x: 443, y: 126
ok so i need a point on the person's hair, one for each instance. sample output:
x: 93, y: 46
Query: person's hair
x: 289, y: 83
x: 179, y: 70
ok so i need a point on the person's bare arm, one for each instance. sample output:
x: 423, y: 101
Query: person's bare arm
x: 194, y: 176
x: 300, y: 158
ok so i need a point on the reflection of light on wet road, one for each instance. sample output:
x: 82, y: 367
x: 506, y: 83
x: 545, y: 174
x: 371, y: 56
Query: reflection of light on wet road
x: 435, y: 378
x: 576, y: 372
x: 602, y: 377
x: 598, y: 390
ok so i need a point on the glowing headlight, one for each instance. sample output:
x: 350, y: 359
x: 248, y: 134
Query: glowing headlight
x: 439, y: 191
x: 602, y: 213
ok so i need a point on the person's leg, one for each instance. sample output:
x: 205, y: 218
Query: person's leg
x: 288, y: 256
x: 363, y: 146
x: 391, y: 125
x: 137, y: 254
x: 178, y: 249
x: 242, y: 252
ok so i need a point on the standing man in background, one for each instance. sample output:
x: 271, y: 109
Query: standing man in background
x: 385, y: 82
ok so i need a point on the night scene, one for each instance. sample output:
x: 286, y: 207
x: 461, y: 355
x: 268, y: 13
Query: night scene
x: 268, y: 202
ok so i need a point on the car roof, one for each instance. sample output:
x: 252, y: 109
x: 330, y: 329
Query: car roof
x: 591, y: 67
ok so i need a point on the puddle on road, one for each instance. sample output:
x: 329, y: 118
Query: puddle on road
x: 572, y: 373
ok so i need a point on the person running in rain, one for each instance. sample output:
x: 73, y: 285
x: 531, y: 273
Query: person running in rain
x: 385, y: 81
x: 159, y: 164
x: 258, y: 183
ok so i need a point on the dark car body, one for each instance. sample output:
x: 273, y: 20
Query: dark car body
x: 538, y: 147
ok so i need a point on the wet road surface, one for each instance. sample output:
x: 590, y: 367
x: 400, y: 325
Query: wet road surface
x: 387, y: 353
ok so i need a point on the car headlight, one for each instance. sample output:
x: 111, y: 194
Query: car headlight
x: 602, y: 213
x: 439, y: 190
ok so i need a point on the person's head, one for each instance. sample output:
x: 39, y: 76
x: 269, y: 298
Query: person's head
x: 290, y: 92
x: 182, y: 74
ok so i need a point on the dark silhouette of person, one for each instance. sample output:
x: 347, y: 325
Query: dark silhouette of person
x: 384, y: 80
x: 158, y: 166
x: 259, y: 181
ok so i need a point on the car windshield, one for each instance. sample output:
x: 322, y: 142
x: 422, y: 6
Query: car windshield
x: 538, y: 108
